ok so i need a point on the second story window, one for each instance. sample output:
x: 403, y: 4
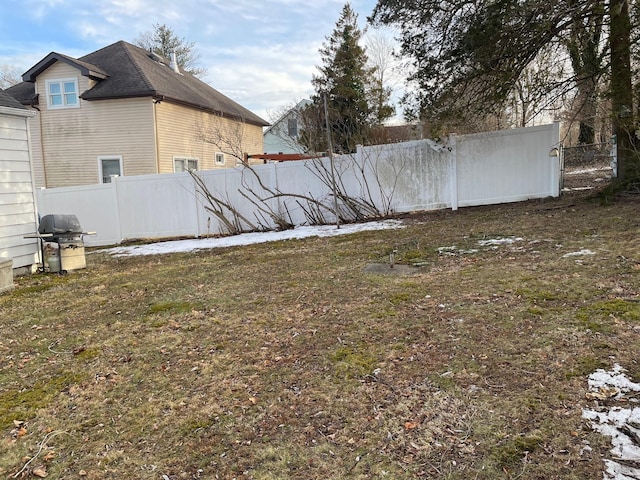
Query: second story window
x: 62, y: 93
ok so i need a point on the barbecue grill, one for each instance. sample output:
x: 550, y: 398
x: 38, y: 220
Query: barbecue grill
x: 66, y: 233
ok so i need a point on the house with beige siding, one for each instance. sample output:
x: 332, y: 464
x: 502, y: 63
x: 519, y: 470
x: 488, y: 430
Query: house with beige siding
x: 17, y: 201
x: 123, y: 110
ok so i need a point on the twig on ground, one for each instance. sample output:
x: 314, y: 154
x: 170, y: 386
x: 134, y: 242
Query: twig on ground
x: 43, y: 444
x: 56, y: 351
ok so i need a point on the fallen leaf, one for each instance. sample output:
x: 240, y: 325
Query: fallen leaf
x: 49, y: 456
x: 39, y: 472
x: 603, y: 393
x: 79, y: 350
x: 82, y: 473
x: 410, y: 425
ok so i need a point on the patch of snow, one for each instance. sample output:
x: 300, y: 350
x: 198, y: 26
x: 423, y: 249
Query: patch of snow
x: 621, y: 424
x: 191, y: 245
x: 613, y: 378
x: 499, y: 241
x: 576, y: 189
x: 581, y: 253
x: 587, y: 170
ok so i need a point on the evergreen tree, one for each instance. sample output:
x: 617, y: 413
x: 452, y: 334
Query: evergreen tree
x: 163, y: 41
x: 353, y: 98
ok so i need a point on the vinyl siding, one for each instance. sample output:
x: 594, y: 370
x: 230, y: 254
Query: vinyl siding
x: 74, y: 138
x: 17, y: 205
x: 36, y: 150
x: 181, y: 131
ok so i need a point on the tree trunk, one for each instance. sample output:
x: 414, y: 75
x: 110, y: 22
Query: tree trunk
x: 621, y: 94
x: 587, y: 96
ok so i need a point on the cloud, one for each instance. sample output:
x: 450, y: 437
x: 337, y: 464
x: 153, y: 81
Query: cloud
x: 261, y: 54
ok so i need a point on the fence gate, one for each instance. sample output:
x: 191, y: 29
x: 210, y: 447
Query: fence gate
x: 589, y: 166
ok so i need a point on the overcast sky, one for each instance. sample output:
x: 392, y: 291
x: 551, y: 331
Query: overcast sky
x: 261, y: 53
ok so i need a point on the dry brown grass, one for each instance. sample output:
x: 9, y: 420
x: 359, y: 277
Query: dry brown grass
x: 289, y: 360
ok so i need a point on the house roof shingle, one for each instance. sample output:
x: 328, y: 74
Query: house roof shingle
x: 7, y: 100
x: 23, y: 92
x: 123, y: 70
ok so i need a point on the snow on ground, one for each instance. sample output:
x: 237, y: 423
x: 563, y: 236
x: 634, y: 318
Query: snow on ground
x: 181, y: 246
x: 579, y: 253
x: 499, y: 241
x: 492, y: 243
x: 588, y: 170
x: 621, y: 424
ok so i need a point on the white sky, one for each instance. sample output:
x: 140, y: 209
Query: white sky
x: 260, y: 53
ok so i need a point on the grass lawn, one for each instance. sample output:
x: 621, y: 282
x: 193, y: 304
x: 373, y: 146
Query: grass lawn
x: 297, y: 359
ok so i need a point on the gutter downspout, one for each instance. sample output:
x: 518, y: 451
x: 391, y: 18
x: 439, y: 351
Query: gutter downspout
x: 154, y: 103
x: 44, y: 163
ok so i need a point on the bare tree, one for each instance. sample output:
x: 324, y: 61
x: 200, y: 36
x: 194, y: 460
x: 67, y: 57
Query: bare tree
x: 538, y: 90
x: 385, y: 64
x: 364, y: 196
x: 9, y: 75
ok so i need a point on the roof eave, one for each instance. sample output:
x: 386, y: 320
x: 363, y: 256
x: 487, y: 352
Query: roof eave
x: 31, y: 74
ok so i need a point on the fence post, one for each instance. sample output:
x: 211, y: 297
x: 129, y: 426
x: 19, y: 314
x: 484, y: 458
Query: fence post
x: 556, y: 156
x: 276, y: 180
x: 196, y: 209
x: 453, y: 162
x: 116, y: 203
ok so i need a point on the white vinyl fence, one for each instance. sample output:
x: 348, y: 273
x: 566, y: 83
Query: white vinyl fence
x: 465, y: 170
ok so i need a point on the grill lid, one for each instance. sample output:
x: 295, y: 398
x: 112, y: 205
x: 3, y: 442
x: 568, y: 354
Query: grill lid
x: 59, y: 224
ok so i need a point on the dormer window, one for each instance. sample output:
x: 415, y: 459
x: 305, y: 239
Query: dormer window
x: 62, y: 93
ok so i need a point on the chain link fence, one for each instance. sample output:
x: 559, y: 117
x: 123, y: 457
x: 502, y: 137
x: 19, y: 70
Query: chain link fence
x: 588, y: 166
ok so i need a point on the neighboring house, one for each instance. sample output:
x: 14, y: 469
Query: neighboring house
x: 125, y: 111
x: 17, y: 202
x: 283, y: 135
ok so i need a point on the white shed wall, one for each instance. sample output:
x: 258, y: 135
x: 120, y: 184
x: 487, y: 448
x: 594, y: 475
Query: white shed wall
x: 17, y: 202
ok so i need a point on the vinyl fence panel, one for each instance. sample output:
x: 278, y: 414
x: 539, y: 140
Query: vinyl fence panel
x: 96, y: 207
x: 495, y: 167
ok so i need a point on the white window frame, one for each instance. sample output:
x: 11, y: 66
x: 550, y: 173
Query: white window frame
x: 219, y: 155
x: 108, y: 157
x: 186, y: 161
x: 61, y: 82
